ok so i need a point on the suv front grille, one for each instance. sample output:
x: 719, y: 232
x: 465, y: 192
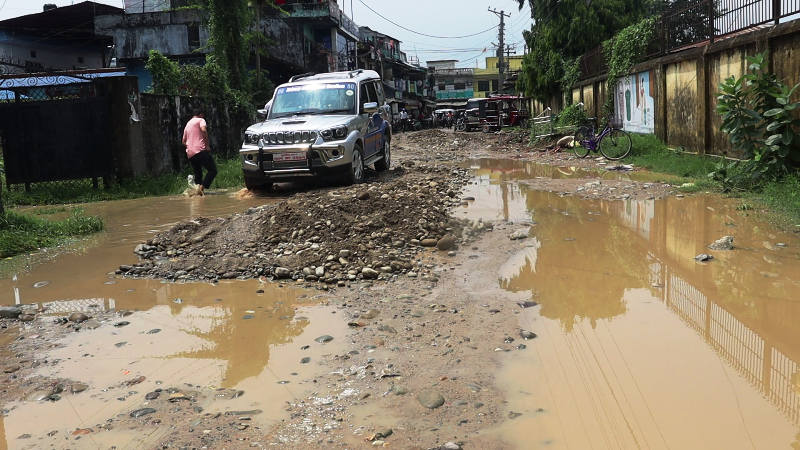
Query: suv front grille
x: 282, y: 138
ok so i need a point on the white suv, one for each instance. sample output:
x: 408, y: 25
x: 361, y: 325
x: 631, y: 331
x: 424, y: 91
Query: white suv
x: 329, y: 125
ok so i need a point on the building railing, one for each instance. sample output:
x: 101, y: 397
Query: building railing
x: 316, y: 9
x: 452, y: 72
x: 765, y: 367
x: 698, y: 23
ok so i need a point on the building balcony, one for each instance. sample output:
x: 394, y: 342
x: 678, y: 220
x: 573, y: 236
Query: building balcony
x: 320, y: 10
x: 467, y: 72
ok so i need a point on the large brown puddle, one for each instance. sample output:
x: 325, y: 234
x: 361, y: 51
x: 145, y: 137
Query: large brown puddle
x: 640, y: 346
x: 239, y: 335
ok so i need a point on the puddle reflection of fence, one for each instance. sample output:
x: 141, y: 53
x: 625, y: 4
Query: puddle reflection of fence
x: 81, y: 305
x: 768, y: 369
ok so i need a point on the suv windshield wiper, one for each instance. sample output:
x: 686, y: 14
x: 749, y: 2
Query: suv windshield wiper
x: 302, y: 112
x: 333, y: 111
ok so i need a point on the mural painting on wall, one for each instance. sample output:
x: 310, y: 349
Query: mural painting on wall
x: 633, y: 98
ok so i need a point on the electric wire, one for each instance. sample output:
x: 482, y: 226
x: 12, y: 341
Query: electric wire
x: 423, y: 34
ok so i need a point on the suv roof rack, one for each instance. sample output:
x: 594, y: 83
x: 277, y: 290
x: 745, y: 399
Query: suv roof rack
x: 304, y: 75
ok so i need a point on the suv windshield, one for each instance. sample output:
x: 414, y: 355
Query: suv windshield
x: 322, y: 98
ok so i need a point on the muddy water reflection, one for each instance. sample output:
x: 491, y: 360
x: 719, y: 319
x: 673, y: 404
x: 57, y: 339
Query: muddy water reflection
x: 510, y: 170
x: 82, y: 273
x: 640, y: 346
x: 204, y: 337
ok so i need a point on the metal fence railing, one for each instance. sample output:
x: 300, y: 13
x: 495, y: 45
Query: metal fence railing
x: 695, y: 23
x: 764, y: 366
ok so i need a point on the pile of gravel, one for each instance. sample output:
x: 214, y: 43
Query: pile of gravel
x: 362, y: 232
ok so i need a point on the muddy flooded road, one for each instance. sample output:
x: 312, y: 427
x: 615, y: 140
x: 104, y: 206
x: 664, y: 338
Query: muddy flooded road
x: 639, y: 345
x: 206, y: 341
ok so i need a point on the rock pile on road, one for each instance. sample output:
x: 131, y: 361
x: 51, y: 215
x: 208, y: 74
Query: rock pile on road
x: 337, y: 236
x: 441, y: 140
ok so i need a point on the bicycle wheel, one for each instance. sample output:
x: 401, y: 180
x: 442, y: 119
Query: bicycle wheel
x: 615, y: 145
x: 581, y: 135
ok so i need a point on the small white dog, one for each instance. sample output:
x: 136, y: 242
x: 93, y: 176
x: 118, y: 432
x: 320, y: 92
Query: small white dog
x: 193, y: 189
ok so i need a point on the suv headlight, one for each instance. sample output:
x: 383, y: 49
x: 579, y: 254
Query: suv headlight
x: 251, y: 137
x: 335, y: 134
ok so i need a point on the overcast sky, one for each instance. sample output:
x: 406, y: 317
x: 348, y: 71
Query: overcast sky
x: 444, y: 18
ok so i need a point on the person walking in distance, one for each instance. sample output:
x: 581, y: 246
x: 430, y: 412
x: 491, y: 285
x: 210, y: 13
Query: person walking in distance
x: 195, y: 138
x: 403, y: 120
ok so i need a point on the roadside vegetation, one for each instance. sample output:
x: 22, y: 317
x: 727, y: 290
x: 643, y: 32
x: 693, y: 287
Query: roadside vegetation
x: 20, y: 233
x: 229, y: 176
x: 652, y: 154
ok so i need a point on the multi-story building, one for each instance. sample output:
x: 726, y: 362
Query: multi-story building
x: 404, y: 81
x: 305, y: 36
x: 58, y: 38
x: 487, y: 80
x: 449, y: 82
x: 325, y: 24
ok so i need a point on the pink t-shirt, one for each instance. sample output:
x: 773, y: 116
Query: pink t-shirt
x: 193, y: 134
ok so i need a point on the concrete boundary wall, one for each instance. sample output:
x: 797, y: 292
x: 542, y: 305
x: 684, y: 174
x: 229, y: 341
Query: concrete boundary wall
x: 686, y: 85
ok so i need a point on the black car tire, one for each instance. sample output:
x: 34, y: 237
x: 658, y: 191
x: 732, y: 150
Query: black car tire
x: 253, y: 185
x: 355, y: 172
x: 386, y: 161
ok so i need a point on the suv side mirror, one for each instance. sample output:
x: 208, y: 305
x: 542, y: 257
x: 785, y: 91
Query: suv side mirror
x: 370, y: 108
x: 263, y: 113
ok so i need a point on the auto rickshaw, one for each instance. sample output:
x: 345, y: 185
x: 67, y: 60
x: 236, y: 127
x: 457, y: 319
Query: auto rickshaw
x: 506, y: 111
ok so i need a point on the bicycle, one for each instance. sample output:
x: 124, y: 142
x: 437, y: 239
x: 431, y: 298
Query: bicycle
x: 612, y: 142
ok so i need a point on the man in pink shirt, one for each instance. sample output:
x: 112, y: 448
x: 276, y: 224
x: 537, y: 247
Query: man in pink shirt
x: 195, y: 138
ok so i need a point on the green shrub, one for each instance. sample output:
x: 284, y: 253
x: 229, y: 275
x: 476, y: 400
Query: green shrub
x: 757, y: 113
x: 572, y: 115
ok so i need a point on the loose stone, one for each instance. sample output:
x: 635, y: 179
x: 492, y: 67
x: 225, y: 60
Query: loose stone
x: 142, y: 412
x: 78, y: 317
x: 430, y: 399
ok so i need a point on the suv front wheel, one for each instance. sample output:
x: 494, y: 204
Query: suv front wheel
x: 355, y: 173
x: 385, y: 162
x: 252, y: 185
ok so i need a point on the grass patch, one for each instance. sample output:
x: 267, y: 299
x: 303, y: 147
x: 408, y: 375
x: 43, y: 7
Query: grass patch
x: 20, y: 233
x: 50, y: 211
x: 783, y: 197
x: 652, y: 154
x: 229, y: 176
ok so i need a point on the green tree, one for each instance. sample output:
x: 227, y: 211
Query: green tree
x: 228, y: 23
x: 566, y: 29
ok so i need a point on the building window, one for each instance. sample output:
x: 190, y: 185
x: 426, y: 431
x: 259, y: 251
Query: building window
x: 33, y: 53
x: 494, y: 85
x: 460, y: 86
x: 80, y: 59
x: 441, y: 86
x: 193, y: 32
x: 483, y: 86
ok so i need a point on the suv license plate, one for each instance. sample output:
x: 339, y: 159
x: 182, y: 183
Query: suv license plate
x: 282, y: 157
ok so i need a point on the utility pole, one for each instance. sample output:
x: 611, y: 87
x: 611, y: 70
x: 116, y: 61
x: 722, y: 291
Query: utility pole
x: 500, y: 53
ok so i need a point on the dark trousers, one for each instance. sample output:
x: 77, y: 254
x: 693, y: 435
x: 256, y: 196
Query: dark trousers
x: 201, y: 160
